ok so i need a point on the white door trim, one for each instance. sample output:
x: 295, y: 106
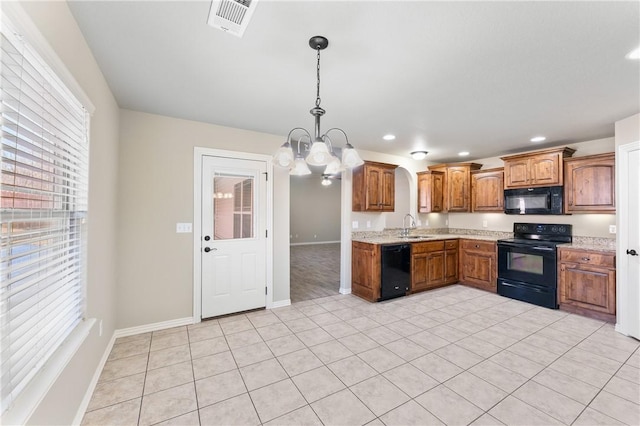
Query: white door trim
x: 198, y: 153
x: 623, y: 281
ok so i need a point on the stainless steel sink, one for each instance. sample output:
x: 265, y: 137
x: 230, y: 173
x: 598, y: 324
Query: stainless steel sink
x: 416, y: 237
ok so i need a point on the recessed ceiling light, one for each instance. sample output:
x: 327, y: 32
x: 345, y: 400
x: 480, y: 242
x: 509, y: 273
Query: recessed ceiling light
x: 538, y: 139
x: 389, y: 137
x: 634, y: 54
x: 419, y: 155
x: 463, y: 153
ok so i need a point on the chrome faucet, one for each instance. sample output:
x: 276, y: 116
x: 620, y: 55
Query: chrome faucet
x: 405, y: 229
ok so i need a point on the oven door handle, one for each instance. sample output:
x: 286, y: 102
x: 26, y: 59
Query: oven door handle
x: 526, y: 246
x: 544, y: 248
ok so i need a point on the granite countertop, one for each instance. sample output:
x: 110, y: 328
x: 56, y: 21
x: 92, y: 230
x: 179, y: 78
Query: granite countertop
x: 608, y: 247
x: 392, y: 236
x: 396, y: 239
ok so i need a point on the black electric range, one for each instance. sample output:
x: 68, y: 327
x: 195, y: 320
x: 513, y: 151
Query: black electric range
x: 527, y: 263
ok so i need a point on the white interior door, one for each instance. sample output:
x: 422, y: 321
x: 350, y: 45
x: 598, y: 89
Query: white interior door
x: 628, y: 268
x: 234, y: 242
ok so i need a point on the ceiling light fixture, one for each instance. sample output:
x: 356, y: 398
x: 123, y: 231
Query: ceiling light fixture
x: 463, y: 153
x: 389, y: 137
x: 320, y: 148
x: 325, y: 180
x: 419, y: 155
x: 538, y: 139
x: 634, y: 54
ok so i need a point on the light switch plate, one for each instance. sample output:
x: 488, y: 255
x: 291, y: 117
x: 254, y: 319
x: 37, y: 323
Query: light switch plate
x: 354, y: 224
x: 612, y: 229
x: 184, y: 228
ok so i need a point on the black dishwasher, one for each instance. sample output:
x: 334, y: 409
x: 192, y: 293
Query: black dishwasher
x: 396, y: 271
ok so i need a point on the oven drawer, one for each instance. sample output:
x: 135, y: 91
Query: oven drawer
x: 587, y: 257
x: 479, y: 245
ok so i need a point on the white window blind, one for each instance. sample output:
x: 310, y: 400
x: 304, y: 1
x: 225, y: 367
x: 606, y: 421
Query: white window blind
x: 43, y: 212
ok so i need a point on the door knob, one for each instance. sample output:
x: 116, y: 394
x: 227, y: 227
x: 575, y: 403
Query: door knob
x: 207, y: 238
x: 632, y: 252
x: 207, y: 249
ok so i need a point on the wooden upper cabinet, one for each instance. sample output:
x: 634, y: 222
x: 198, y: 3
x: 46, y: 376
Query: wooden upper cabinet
x: 487, y: 190
x: 539, y: 168
x: 430, y: 196
x: 374, y: 187
x: 457, y: 185
x: 589, y: 184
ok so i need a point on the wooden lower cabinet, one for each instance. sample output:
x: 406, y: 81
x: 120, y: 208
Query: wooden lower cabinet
x: 478, y: 264
x: 587, y: 283
x: 365, y: 270
x: 433, y: 264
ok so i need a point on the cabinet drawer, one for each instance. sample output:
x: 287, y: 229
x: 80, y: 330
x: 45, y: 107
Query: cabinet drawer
x: 588, y: 258
x: 427, y: 247
x: 489, y: 246
x: 451, y: 244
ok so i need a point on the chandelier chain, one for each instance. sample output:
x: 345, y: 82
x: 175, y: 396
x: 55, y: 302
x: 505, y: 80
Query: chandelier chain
x: 318, y: 79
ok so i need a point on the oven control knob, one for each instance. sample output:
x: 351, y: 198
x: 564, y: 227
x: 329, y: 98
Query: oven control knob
x: 554, y: 229
x: 562, y: 229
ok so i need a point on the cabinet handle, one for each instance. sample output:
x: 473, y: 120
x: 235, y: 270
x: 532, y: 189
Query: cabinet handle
x: 477, y: 245
x: 586, y: 259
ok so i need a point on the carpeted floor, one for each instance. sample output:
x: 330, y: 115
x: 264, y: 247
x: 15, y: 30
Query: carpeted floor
x: 315, y: 271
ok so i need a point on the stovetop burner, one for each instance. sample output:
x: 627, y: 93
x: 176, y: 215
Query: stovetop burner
x: 540, y: 234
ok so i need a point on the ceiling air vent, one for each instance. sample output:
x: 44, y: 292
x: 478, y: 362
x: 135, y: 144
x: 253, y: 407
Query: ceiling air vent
x: 231, y: 16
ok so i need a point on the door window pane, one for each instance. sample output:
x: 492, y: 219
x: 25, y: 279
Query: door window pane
x: 233, y: 207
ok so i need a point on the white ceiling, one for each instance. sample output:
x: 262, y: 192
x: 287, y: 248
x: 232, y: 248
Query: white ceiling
x: 483, y: 77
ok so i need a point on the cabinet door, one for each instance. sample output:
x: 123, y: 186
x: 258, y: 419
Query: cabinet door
x: 387, y: 190
x: 373, y: 176
x: 458, y: 189
x: 487, y: 191
x: 437, y: 192
x: 451, y: 266
x: 516, y: 173
x: 435, y: 269
x: 587, y: 287
x: 590, y: 186
x: 545, y: 169
x: 476, y: 268
x: 430, y: 192
x: 419, y: 272
x: 365, y: 271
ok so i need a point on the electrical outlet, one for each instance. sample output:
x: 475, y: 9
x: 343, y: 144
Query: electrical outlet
x: 418, y: 222
x: 612, y: 229
x: 368, y: 224
x: 426, y: 222
x: 315, y: 236
x: 446, y: 221
x: 354, y: 224
x: 485, y: 224
x: 184, y: 228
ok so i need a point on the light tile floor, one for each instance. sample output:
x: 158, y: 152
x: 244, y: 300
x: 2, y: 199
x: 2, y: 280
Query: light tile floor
x: 451, y: 356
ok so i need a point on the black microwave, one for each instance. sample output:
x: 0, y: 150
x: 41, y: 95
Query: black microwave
x: 545, y: 200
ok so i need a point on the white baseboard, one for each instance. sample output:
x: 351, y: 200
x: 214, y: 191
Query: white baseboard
x: 311, y: 243
x: 280, y: 304
x: 122, y: 333
x: 345, y: 290
x: 153, y: 327
x: 94, y: 382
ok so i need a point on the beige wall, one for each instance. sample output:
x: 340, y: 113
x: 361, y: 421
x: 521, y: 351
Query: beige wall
x: 57, y: 25
x: 315, y: 210
x: 587, y: 225
x: 155, y: 265
x: 628, y: 130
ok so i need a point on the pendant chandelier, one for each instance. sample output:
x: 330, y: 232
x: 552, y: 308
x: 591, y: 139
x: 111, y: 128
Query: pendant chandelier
x: 320, y: 149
